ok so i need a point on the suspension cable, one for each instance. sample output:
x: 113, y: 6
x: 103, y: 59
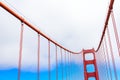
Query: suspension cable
x: 61, y: 62
x: 38, y: 64
x: 49, y: 73
x: 20, y: 50
x: 108, y: 57
x: 106, y: 23
x: 98, y: 59
x: 105, y: 60
x: 65, y: 66
x: 56, y: 65
x: 115, y: 31
x: 111, y: 51
x: 101, y: 58
x: 68, y: 67
x: 19, y: 17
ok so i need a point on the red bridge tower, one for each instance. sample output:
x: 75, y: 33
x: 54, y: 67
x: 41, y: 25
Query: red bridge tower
x: 86, y: 62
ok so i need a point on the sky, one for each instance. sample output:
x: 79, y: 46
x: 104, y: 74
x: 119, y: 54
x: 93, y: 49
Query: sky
x: 75, y: 24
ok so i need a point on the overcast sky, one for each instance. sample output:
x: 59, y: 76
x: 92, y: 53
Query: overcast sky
x: 71, y: 23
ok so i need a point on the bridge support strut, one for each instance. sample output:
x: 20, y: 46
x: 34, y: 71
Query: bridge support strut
x: 87, y: 62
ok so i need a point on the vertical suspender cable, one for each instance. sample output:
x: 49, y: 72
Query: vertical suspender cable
x: 101, y: 58
x: 108, y: 58
x: 71, y: 66
x: 49, y: 74
x: 56, y: 65
x: 20, y: 50
x: 68, y: 67
x: 111, y: 51
x: 115, y: 31
x: 102, y: 61
x: 38, y: 57
x: 65, y: 66
x: 61, y: 62
x: 96, y: 57
x: 105, y: 61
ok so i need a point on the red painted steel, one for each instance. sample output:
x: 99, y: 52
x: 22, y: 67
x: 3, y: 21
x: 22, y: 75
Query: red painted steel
x: 49, y: 73
x: 111, y: 51
x: 20, y: 51
x: 33, y: 27
x: 116, y: 32
x: 61, y: 62
x: 105, y: 62
x: 67, y: 71
x: 38, y: 64
x: 70, y: 65
x: 108, y: 58
x: 56, y: 64
x: 106, y: 23
x: 87, y: 75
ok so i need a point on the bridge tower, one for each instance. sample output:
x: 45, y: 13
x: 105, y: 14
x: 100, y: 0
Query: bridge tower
x: 87, y: 74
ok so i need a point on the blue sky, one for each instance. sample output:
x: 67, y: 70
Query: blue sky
x: 75, y: 24
x: 26, y: 75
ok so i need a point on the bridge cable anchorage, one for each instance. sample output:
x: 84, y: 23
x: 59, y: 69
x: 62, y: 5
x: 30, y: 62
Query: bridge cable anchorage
x: 111, y: 51
x: 108, y: 58
x: 38, y: 59
x: 20, y: 50
x: 115, y: 32
x: 49, y: 72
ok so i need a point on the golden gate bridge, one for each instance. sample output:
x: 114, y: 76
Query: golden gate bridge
x: 102, y: 52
